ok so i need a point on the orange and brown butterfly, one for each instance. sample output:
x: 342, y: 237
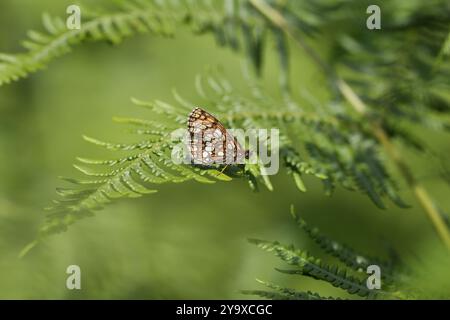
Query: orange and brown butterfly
x: 210, y: 143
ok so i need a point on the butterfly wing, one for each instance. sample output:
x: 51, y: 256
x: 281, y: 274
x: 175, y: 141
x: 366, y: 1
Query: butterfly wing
x: 210, y: 143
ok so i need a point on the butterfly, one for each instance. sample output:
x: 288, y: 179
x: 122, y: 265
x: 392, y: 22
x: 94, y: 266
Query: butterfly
x: 210, y: 143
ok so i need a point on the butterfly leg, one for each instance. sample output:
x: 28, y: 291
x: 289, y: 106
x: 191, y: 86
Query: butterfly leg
x: 221, y: 171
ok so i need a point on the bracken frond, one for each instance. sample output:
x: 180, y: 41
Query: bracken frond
x: 234, y: 24
x: 281, y: 293
x: 350, y: 277
x: 344, y: 253
x: 333, y: 151
x: 310, y: 266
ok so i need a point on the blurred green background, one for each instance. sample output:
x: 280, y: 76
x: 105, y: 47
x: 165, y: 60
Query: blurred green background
x: 187, y: 241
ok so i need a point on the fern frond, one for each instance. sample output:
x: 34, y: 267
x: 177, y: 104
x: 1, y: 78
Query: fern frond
x: 234, y: 24
x: 281, y: 293
x: 402, y: 75
x: 132, y: 176
x: 344, y: 253
x: 310, y: 266
x: 318, y: 145
x: 57, y: 40
x: 349, y: 280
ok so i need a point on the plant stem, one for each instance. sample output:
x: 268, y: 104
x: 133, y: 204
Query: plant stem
x: 359, y: 106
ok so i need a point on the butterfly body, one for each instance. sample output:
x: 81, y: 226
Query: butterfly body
x: 210, y: 143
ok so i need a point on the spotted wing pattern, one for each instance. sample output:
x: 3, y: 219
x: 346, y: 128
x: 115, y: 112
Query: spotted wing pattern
x: 210, y: 143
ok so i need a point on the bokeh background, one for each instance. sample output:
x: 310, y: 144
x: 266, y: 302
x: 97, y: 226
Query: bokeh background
x: 187, y: 241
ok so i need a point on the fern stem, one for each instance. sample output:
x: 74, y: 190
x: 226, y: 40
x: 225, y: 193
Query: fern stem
x: 359, y: 106
x: 294, y: 115
x: 419, y: 191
